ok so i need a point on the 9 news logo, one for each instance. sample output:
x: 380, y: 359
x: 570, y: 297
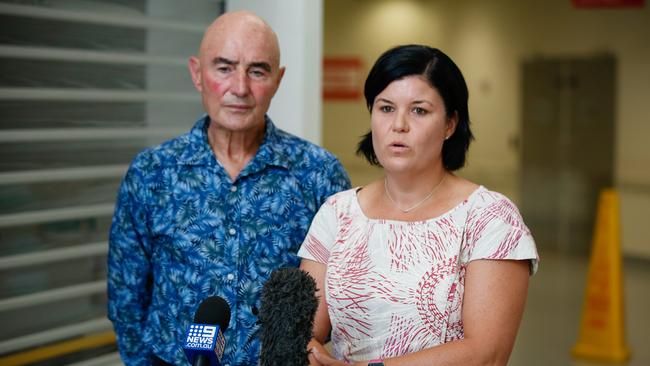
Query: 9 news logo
x: 201, y: 336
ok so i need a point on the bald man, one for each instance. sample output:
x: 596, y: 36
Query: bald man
x: 214, y: 211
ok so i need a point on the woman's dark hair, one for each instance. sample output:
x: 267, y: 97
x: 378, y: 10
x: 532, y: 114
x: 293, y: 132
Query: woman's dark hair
x: 443, y: 75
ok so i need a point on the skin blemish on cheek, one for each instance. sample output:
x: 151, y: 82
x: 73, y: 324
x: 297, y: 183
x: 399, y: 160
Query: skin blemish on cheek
x: 213, y: 85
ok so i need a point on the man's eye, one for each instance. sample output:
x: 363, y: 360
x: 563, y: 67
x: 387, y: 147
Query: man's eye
x: 223, y: 69
x: 257, y: 73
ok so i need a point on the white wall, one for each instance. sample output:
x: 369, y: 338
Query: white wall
x: 297, y: 106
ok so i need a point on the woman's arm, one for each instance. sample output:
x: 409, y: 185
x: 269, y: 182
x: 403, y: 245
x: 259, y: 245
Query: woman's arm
x: 493, y: 304
x: 322, y: 324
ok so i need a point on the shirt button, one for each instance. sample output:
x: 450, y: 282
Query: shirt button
x: 233, y: 189
x: 232, y: 232
x: 230, y: 277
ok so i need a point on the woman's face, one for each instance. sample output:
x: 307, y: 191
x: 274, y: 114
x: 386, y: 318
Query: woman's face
x: 409, y: 125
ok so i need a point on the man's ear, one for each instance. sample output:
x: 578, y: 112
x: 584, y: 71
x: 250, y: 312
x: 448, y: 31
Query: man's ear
x: 278, y: 79
x: 195, y: 71
x: 281, y: 74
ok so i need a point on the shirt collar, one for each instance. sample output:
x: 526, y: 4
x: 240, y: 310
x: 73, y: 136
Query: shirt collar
x: 196, y: 149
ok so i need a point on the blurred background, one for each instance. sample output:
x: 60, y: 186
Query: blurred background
x: 558, y: 101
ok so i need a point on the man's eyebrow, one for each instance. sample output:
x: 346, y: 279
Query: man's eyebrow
x: 262, y: 65
x: 223, y: 60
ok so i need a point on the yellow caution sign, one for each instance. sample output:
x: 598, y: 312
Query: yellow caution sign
x: 602, y: 328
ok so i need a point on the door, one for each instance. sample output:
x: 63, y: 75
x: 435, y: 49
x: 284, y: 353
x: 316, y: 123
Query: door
x: 567, y: 147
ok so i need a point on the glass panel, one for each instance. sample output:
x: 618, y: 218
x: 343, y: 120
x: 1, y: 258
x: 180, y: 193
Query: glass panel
x: 57, y: 33
x: 56, y: 235
x: 49, y: 114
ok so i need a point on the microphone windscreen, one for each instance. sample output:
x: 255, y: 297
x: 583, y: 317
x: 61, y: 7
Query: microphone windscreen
x: 288, y: 308
x: 213, y: 310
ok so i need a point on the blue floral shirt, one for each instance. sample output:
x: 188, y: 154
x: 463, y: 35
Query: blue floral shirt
x: 183, y: 231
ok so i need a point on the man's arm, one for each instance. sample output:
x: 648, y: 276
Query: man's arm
x: 129, y: 273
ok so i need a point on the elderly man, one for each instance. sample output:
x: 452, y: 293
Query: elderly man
x: 214, y: 211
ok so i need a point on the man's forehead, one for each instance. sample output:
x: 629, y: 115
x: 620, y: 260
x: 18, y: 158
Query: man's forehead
x: 242, y: 38
x: 241, y: 52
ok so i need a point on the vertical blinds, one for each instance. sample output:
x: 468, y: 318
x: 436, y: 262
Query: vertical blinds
x: 84, y: 86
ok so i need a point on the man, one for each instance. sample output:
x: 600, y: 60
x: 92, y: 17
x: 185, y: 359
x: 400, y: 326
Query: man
x: 214, y: 211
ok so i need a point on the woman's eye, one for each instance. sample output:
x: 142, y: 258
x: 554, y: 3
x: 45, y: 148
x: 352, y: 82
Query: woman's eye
x: 420, y: 111
x: 386, y: 108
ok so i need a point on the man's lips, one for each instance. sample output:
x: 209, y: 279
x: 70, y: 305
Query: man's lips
x: 241, y: 107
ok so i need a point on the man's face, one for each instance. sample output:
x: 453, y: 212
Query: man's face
x: 237, y: 74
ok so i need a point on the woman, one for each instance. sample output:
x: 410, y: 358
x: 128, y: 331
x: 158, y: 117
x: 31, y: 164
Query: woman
x: 421, y: 267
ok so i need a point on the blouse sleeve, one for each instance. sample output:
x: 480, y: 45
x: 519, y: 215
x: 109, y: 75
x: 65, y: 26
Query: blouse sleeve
x: 321, y: 235
x: 496, y: 230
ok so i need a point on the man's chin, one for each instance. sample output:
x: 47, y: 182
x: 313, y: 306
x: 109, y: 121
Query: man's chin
x: 239, y: 122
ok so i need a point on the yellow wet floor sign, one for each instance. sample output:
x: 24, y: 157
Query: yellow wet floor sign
x: 602, y: 327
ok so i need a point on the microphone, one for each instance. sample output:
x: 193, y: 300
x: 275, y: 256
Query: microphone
x: 204, y: 342
x: 288, y: 308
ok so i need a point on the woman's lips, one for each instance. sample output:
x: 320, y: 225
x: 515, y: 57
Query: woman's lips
x: 398, y: 147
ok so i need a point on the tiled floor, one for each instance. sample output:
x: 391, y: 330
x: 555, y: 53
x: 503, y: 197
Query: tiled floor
x: 551, y: 322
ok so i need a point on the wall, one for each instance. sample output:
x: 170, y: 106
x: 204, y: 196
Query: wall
x: 297, y: 105
x: 489, y: 40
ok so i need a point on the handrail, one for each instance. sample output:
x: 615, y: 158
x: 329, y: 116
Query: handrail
x: 53, y: 255
x: 63, y: 174
x: 634, y: 187
x: 57, y: 294
x: 55, y: 334
x: 63, y: 348
x: 58, y: 214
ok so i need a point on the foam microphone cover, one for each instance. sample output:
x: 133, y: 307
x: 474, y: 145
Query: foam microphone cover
x: 288, y: 308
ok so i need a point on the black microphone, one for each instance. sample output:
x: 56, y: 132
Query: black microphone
x: 288, y: 308
x: 204, y: 342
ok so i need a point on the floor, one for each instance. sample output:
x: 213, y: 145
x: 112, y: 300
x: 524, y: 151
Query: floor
x: 551, y: 322
x: 552, y: 319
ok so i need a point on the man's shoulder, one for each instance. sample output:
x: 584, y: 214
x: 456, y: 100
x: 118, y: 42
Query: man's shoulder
x: 163, y: 154
x: 301, y: 150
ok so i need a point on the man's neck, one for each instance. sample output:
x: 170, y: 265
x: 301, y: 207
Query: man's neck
x: 234, y: 149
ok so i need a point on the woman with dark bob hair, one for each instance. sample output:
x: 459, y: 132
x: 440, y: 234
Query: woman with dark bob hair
x: 421, y: 267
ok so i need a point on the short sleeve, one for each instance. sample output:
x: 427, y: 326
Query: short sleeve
x: 496, y: 230
x: 321, y: 235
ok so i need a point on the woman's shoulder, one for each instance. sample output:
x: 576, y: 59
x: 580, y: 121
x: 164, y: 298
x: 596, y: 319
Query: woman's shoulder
x: 343, y: 197
x: 491, y: 206
x: 483, y: 197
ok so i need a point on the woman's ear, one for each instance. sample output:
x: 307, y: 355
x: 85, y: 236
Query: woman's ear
x: 452, y: 122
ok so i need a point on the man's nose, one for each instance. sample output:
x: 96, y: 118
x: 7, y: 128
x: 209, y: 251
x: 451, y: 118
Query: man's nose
x: 240, y: 86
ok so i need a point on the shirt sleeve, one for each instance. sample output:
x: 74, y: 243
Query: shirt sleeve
x: 321, y: 235
x: 497, y: 231
x: 129, y: 273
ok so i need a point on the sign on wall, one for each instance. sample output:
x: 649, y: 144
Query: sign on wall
x: 342, y: 78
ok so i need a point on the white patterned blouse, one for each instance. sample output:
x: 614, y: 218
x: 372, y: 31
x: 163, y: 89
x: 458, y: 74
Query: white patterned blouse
x: 396, y: 287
